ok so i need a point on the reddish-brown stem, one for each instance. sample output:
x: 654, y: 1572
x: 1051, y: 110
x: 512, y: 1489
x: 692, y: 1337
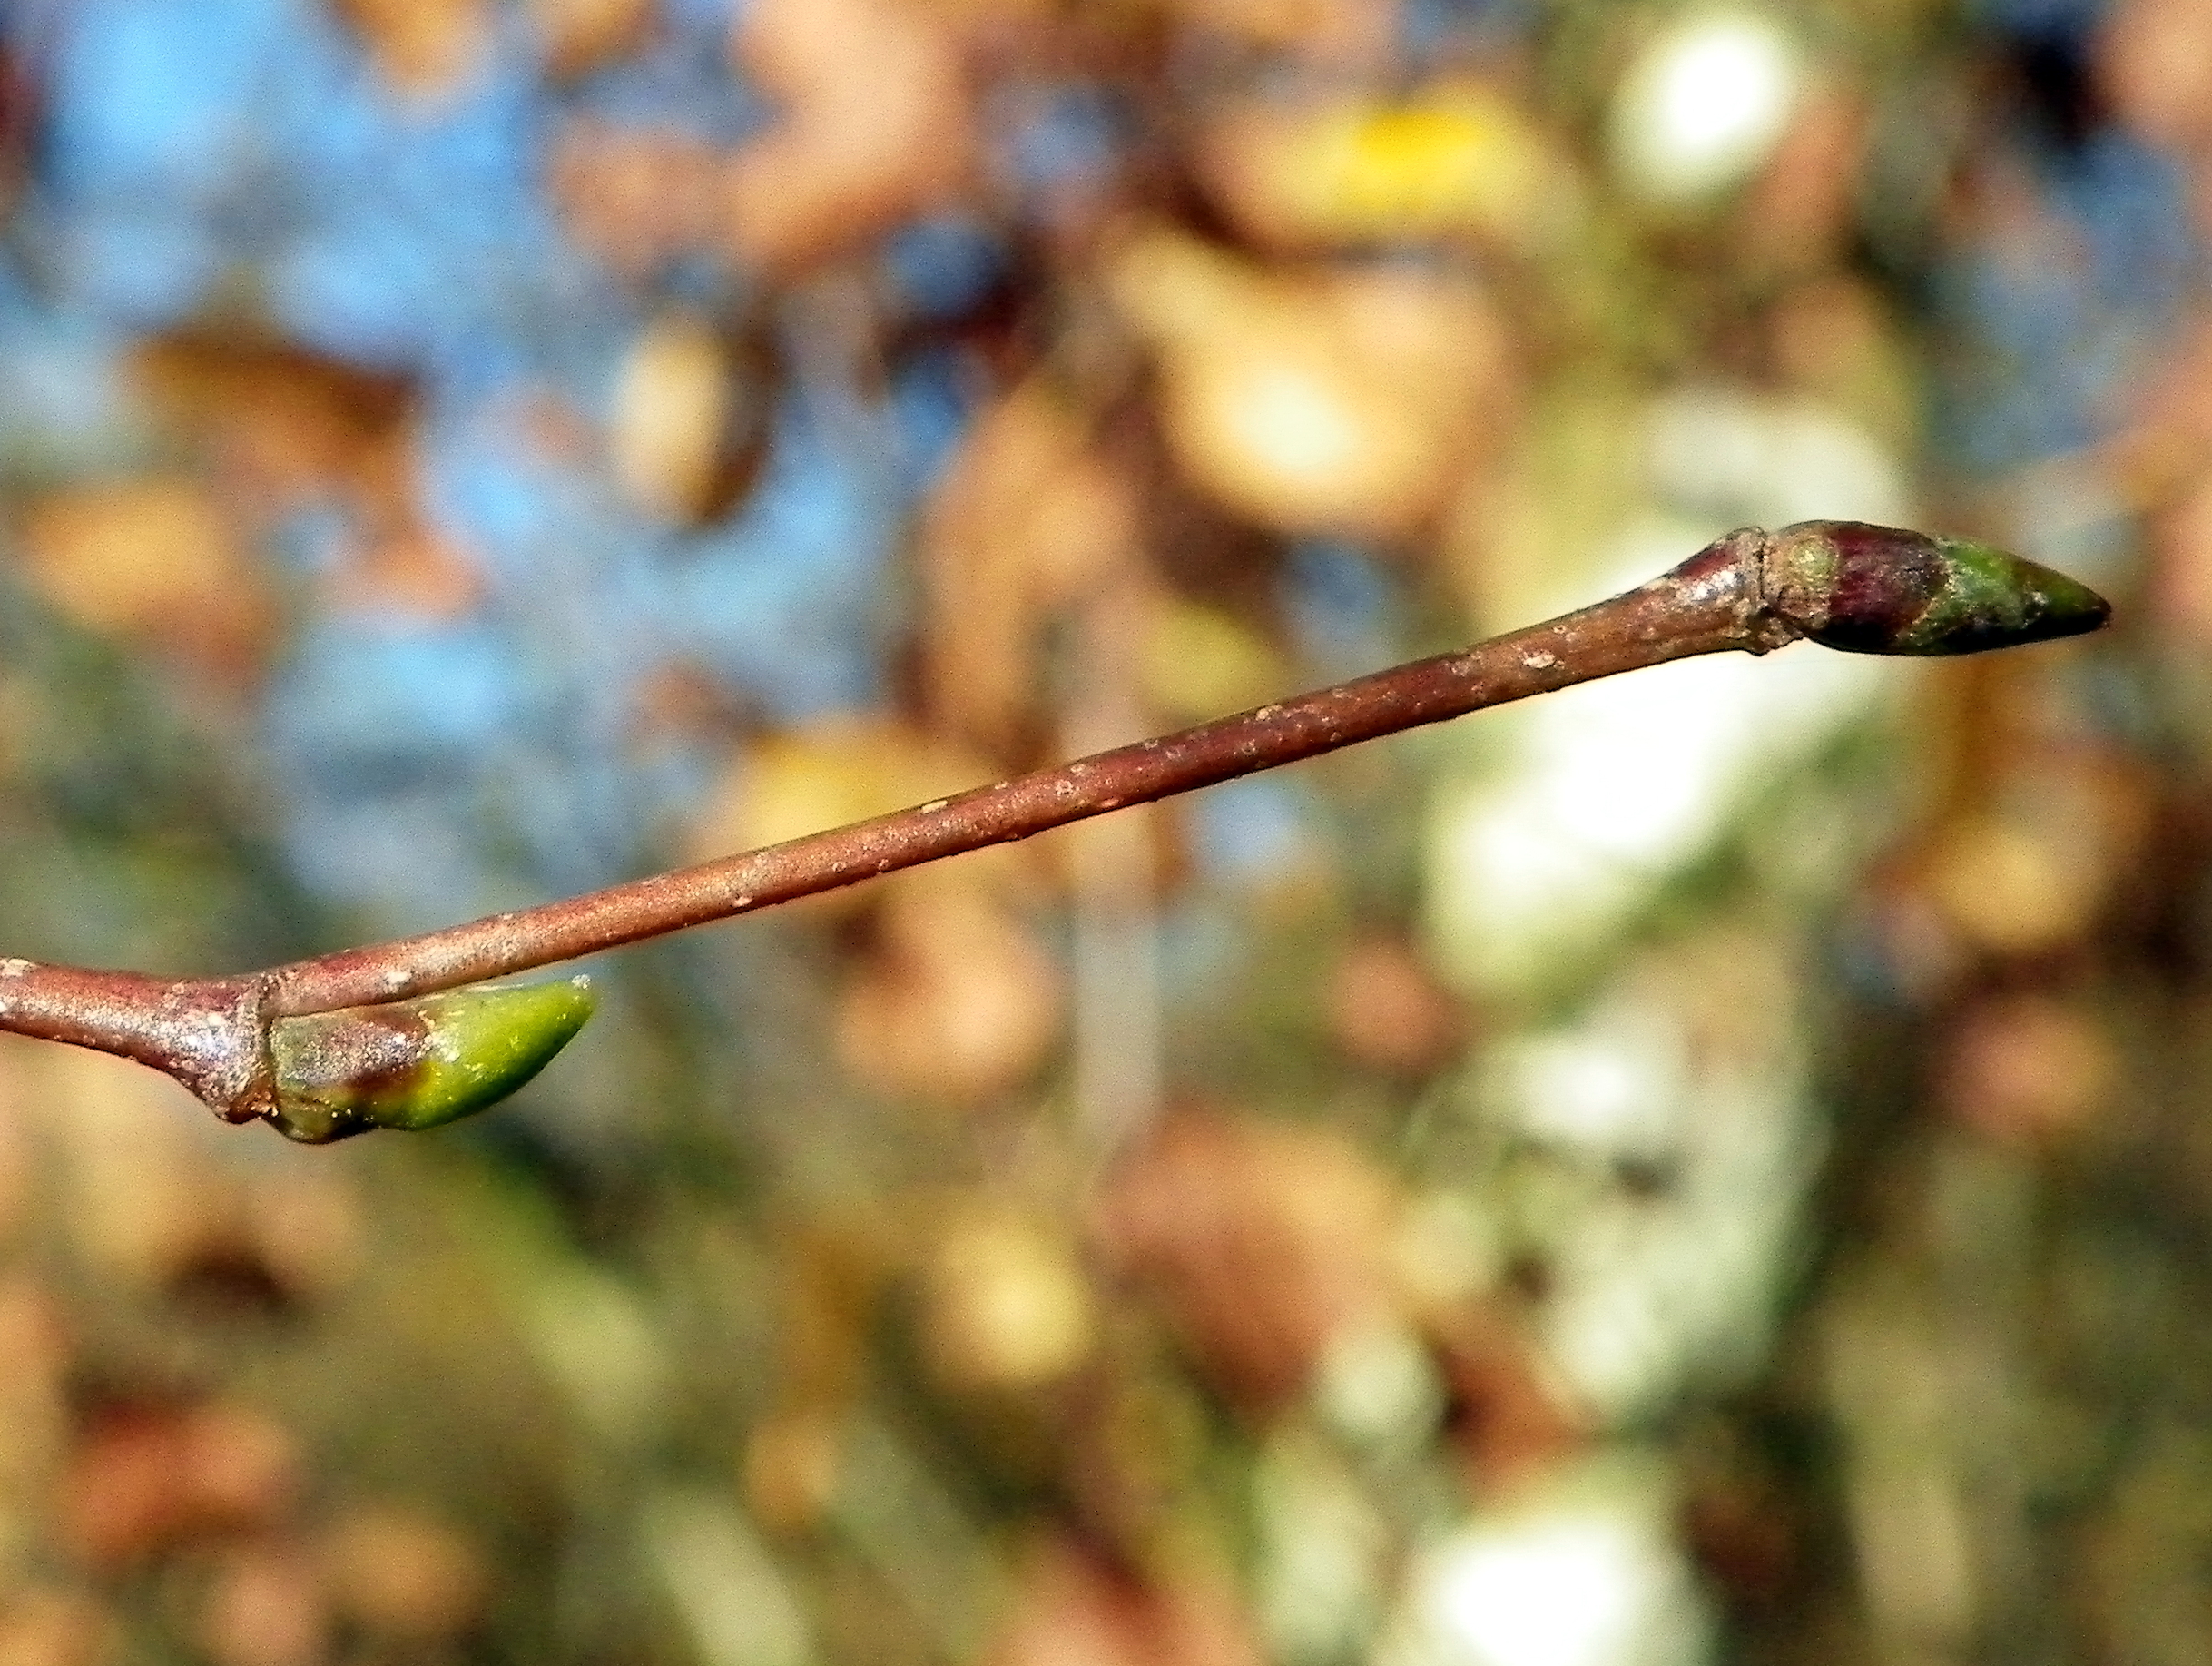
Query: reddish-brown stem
x: 1860, y: 587
x: 213, y: 1034
x: 209, y: 1033
x: 1701, y: 608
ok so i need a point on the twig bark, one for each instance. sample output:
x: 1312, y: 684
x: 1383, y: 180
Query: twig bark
x: 1863, y: 589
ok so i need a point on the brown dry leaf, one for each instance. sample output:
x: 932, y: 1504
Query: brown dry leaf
x: 2161, y: 460
x: 877, y: 126
x: 1263, y: 1243
x: 2070, y: 830
x: 1389, y: 1012
x: 282, y: 426
x: 238, y: 1467
x: 637, y: 197
x: 672, y: 408
x: 401, y: 563
x: 1073, y: 1608
x: 678, y: 703
x: 955, y: 1003
x: 414, y: 570
x: 2180, y: 589
x: 144, y: 1477
x: 1345, y: 402
x: 1456, y: 160
x: 2154, y: 60
x: 1005, y: 1305
x: 579, y: 36
x: 154, y: 561
x: 1031, y: 516
x: 1508, y: 1418
x: 2025, y: 1069
x: 1801, y: 213
x: 265, y: 1607
x: 404, y: 1573
x: 423, y: 48
x: 2006, y: 887
x: 791, y: 1470
x: 2181, y: 564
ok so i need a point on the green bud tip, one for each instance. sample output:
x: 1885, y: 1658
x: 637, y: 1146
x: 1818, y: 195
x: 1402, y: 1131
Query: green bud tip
x: 1883, y: 590
x: 419, y: 1064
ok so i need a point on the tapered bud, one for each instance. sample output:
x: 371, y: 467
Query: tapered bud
x: 1881, y: 591
x: 417, y: 1064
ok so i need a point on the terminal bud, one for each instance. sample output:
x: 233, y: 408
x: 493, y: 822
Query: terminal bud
x: 1869, y: 589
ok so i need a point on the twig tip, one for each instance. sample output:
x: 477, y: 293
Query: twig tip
x: 1869, y: 589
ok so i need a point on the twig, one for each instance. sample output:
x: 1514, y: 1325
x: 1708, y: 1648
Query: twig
x: 1849, y: 586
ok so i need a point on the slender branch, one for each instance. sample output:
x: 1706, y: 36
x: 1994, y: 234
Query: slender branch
x: 1849, y: 586
x: 1670, y: 618
x: 209, y: 1033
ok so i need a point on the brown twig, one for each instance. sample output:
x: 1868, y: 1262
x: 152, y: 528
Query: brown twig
x: 1859, y: 587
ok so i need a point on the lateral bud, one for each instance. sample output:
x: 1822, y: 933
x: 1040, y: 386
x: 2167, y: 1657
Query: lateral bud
x: 1869, y: 589
x: 417, y: 1064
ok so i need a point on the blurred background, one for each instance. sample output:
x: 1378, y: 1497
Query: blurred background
x: 1708, y: 1168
